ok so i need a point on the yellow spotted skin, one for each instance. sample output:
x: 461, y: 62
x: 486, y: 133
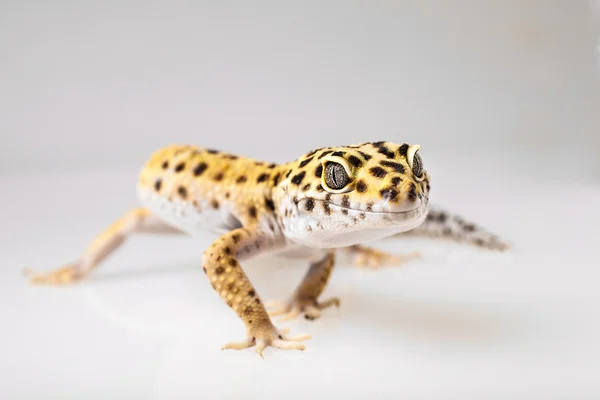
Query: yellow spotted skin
x: 208, y: 179
x: 329, y: 199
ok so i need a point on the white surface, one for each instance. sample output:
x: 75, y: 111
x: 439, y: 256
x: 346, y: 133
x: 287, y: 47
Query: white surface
x: 461, y: 323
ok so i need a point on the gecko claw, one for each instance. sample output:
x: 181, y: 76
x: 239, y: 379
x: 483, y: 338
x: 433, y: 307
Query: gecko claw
x: 278, y: 339
x: 61, y: 276
x: 311, y: 309
x: 366, y: 257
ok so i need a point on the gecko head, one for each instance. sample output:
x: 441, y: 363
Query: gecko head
x: 340, y: 196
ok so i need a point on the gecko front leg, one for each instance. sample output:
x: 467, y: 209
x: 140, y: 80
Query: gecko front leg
x: 305, y: 299
x: 221, y: 265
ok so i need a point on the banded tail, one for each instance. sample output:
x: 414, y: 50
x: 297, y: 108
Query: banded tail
x: 441, y: 224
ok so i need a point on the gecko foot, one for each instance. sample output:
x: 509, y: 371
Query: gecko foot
x: 366, y: 257
x: 270, y: 337
x: 311, y: 308
x: 61, y: 276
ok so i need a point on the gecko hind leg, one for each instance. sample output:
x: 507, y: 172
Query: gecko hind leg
x: 139, y: 220
x: 305, y: 299
x: 368, y: 257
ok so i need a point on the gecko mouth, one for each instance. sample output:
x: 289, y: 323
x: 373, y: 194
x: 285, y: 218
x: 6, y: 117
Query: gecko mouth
x: 394, y: 216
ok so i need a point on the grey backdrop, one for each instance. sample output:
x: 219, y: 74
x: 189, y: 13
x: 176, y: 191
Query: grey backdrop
x: 102, y: 84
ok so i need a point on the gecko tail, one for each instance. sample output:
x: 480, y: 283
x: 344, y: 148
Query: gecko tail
x: 441, y: 224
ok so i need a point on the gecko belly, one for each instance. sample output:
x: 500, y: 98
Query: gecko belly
x: 192, y: 218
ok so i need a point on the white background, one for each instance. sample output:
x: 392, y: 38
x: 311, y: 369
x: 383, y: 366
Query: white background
x: 503, y: 96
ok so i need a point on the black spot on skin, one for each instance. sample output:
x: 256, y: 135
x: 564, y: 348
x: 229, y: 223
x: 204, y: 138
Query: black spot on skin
x: 362, y: 215
x: 276, y: 179
x: 403, y: 150
x: 236, y: 238
x: 231, y: 156
x: 320, y: 188
x: 200, y: 168
x: 312, y: 153
x: 319, y: 171
x: 232, y: 262
x: 252, y: 211
x: 227, y: 194
x: 366, y: 156
x: 288, y: 173
x: 219, y: 176
x: 309, y: 205
x: 339, y: 154
x: 326, y: 208
x: 396, y: 180
x: 165, y: 165
x: 428, y: 187
x: 248, y: 310
x: 345, y: 211
x: 346, y: 201
x: 204, y: 269
x: 412, y: 193
x: 323, y: 154
x: 396, y: 166
x: 262, y: 178
x: 303, y: 163
x: 388, y: 194
x: 251, y: 293
x: 361, y: 186
x: 369, y: 206
x: 385, y: 151
x: 271, y: 166
x: 270, y: 205
x: 257, y: 301
x: 469, y: 228
x: 297, y: 179
x: 378, y: 172
x: 214, y: 204
x: 212, y: 151
x: 180, y: 167
x: 227, y: 250
x: 219, y: 270
x: 295, y: 200
x: 241, y: 179
x: 355, y: 161
x: 306, y: 187
x: 378, y: 144
x: 157, y: 185
x: 182, y: 192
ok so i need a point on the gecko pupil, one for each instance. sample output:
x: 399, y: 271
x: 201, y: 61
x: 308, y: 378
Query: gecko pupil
x: 336, y: 176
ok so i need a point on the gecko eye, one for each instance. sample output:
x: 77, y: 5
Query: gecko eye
x: 335, y: 176
x: 417, y: 167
